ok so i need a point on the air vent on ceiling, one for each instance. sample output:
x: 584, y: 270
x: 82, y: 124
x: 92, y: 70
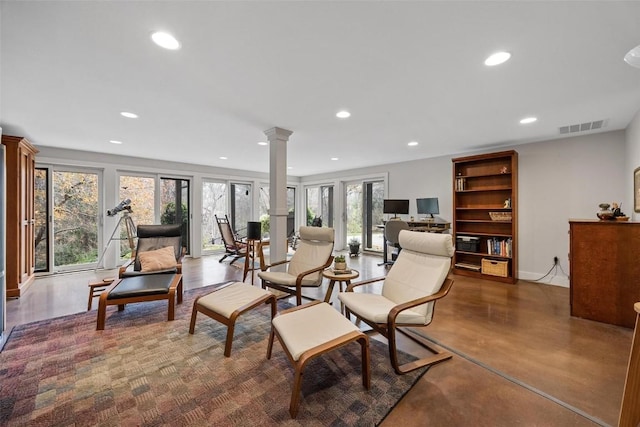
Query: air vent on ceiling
x: 582, y: 127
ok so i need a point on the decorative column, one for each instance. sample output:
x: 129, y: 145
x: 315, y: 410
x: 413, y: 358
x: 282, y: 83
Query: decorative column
x: 278, y: 139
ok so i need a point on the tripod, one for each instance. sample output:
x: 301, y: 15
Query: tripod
x: 131, y: 232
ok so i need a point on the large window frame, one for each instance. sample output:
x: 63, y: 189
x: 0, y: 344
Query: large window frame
x: 50, y: 218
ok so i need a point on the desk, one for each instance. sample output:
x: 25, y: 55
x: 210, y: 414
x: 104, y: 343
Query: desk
x: 434, y: 226
x: 428, y: 226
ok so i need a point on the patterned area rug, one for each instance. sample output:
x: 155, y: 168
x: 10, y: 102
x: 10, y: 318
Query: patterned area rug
x: 145, y: 371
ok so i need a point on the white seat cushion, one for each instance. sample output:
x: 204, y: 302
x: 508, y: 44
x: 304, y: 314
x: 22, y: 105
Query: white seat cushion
x: 230, y: 298
x: 376, y: 308
x: 286, y: 279
x: 304, y: 329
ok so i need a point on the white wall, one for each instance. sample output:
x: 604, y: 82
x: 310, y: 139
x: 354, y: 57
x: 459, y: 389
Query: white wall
x: 559, y: 179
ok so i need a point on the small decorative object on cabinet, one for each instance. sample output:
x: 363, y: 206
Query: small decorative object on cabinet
x: 485, y: 202
x: 604, y: 213
x: 20, y: 169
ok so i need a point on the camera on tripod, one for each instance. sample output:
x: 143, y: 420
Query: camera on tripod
x: 123, y: 205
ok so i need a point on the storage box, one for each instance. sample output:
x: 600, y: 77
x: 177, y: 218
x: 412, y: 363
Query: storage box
x: 468, y: 243
x: 495, y: 268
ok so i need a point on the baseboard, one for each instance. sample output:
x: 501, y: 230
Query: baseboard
x: 551, y: 279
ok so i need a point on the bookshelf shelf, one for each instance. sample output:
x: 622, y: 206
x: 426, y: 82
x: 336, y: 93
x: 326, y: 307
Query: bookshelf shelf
x: 484, y: 184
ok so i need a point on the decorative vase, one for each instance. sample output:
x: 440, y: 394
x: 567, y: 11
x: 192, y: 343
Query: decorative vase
x: 340, y: 265
x: 605, y: 213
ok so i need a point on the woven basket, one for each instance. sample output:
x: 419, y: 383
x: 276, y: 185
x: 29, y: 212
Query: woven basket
x: 494, y: 268
x: 500, y: 216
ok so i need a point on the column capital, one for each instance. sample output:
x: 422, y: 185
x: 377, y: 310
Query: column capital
x: 278, y: 134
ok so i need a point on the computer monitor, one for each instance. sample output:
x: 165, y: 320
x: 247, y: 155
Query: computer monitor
x: 395, y: 207
x: 428, y: 206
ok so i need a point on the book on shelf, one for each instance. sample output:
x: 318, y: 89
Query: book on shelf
x: 460, y: 184
x: 500, y: 247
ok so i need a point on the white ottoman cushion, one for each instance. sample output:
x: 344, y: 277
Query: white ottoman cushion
x: 230, y: 298
x: 304, y: 329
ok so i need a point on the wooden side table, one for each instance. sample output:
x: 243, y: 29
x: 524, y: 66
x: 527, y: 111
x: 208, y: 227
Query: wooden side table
x: 340, y: 278
x: 96, y: 288
x: 630, y: 410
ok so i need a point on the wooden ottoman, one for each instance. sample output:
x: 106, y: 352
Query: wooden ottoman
x: 228, y: 302
x: 309, y: 330
x: 150, y: 287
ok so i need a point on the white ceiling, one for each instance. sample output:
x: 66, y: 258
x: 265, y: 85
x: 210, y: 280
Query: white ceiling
x: 406, y: 71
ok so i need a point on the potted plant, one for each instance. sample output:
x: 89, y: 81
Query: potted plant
x: 354, y: 246
x: 339, y: 262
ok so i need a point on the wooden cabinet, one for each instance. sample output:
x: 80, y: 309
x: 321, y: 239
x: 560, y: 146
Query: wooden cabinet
x: 485, y: 216
x: 20, y: 257
x: 604, y: 270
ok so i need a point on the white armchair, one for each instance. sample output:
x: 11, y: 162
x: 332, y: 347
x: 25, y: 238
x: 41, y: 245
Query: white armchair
x: 304, y: 269
x: 415, y: 281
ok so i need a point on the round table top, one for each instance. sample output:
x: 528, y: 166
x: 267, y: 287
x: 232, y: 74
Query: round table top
x: 329, y: 274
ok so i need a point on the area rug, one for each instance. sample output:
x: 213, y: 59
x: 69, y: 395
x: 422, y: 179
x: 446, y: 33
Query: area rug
x: 144, y: 371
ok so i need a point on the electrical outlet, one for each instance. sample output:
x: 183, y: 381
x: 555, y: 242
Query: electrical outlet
x: 555, y: 260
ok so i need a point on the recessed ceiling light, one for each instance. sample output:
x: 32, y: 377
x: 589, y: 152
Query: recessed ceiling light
x: 113, y: 141
x: 262, y: 143
x: 412, y: 143
x: 165, y: 40
x: 334, y: 158
x: 289, y: 167
x: 343, y: 114
x: 497, y: 58
x: 528, y: 120
x: 129, y: 115
x: 223, y: 158
x: 633, y: 57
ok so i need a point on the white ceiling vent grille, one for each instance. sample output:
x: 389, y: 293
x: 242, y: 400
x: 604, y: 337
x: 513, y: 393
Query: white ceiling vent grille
x: 582, y: 127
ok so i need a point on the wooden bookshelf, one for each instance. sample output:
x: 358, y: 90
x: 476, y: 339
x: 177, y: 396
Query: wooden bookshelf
x: 482, y: 185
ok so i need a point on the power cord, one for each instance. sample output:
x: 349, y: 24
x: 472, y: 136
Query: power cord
x: 554, y: 268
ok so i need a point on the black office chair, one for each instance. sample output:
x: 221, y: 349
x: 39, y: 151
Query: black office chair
x: 391, y: 231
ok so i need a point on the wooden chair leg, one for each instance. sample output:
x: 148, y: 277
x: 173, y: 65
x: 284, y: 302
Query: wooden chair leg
x: 194, y: 314
x: 366, y: 365
x: 227, y: 345
x: 438, y: 356
x: 295, y: 393
x: 270, y: 345
x: 180, y: 291
x: 172, y: 305
x: 102, y: 312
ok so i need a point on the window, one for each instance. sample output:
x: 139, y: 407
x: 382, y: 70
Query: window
x: 240, y: 207
x: 75, y: 218
x: 174, y: 205
x: 141, y: 191
x: 363, y: 205
x: 319, y: 204
x: 264, y: 203
x: 214, y: 202
x: 41, y: 211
